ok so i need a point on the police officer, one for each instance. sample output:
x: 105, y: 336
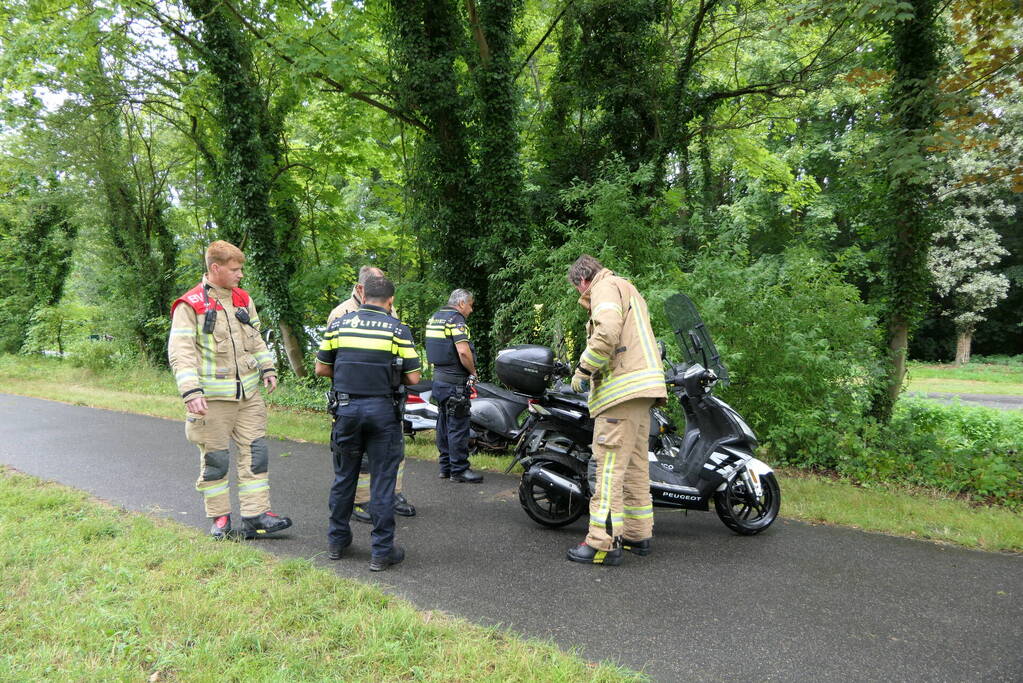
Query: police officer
x: 218, y: 358
x: 401, y: 505
x: 622, y: 364
x: 449, y: 348
x: 368, y: 353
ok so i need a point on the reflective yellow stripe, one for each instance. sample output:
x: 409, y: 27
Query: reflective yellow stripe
x: 363, y: 344
x: 254, y: 486
x: 591, y: 357
x: 626, y: 384
x: 642, y: 328
x: 213, y: 491
x: 434, y: 334
x: 607, y: 305
x: 182, y: 332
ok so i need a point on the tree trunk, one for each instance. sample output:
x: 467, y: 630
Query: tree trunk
x: 293, y: 349
x: 964, y: 340
x: 899, y: 341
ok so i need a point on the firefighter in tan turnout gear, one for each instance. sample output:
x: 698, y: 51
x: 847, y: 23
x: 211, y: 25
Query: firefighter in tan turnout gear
x: 401, y: 505
x: 621, y: 366
x: 218, y: 359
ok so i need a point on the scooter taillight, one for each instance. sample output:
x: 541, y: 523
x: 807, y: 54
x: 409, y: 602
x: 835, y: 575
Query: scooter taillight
x: 472, y: 393
x: 414, y: 398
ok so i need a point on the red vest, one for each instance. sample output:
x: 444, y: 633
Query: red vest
x: 194, y: 298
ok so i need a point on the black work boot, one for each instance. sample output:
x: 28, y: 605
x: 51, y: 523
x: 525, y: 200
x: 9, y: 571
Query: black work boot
x: 379, y: 564
x: 467, y: 477
x: 403, y: 507
x: 266, y: 523
x: 334, y: 550
x: 221, y: 528
x: 636, y: 547
x: 587, y: 554
x: 361, y: 514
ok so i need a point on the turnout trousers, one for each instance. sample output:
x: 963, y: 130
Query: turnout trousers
x: 621, y: 503
x: 452, y: 432
x: 244, y: 422
x: 366, y: 425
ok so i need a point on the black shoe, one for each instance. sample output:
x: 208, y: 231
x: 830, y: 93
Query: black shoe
x: 266, y: 523
x: 361, y: 514
x: 403, y: 507
x: 443, y: 475
x: 221, y: 528
x: 636, y: 547
x: 467, y: 477
x: 334, y: 550
x: 379, y: 564
x: 587, y: 554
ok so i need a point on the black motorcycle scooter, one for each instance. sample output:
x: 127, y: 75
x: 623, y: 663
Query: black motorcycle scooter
x: 711, y: 460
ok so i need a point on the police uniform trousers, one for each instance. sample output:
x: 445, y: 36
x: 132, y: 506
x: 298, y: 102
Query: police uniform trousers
x: 367, y: 425
x: 621, y: 504
x: 243, y: 421
x: 452, y: 432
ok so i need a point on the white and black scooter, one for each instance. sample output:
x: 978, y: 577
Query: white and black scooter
x: 711, y: 460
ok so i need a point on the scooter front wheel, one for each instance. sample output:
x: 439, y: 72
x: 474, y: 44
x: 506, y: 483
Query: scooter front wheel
x: 745, y: 512
x: 549, y: 509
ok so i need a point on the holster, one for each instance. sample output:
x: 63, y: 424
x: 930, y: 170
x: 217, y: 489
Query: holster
x: 458, y: 404
x: 335, y: 400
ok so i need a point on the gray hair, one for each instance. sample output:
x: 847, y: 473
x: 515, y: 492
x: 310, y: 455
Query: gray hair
x: 366, y: 272
x: 584, y: 268
x: 460, y: 296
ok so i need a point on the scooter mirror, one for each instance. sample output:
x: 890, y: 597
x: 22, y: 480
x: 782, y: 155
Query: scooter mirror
x: 662, y: 349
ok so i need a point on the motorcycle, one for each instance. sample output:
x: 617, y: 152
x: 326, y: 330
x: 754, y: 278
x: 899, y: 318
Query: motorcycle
x: 418, y: 414
x: 711, y: 460
x: 495, y: 417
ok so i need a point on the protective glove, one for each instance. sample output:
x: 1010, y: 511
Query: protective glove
x: 580, y: 382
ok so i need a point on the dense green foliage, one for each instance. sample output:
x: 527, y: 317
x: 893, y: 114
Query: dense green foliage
x: 801, y: 169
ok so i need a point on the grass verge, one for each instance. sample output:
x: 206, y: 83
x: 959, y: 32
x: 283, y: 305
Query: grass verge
x: 94, y: 593
x: 920, y: 514
x: 981, y: 378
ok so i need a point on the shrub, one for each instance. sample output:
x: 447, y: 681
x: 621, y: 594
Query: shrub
x: 801, y: 349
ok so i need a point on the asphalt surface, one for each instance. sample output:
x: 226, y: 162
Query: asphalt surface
x: 799, y: 602
x: 989, y: 400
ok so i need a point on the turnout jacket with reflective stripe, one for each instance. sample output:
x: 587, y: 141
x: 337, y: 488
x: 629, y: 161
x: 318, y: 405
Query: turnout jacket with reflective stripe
x: 361, y: 346
x: 225, y: 365
x: 349, y: 305
x: 621, y: 351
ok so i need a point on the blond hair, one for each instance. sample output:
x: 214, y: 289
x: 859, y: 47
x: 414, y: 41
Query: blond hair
x: 221, y: 252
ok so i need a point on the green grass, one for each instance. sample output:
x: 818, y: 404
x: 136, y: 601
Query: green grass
x: 92, y: 593
x: 974, y: 378
x: 919, y: 514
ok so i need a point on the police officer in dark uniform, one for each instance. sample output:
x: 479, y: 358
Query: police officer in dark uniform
x: 369, y: 354
x: 449, y: 348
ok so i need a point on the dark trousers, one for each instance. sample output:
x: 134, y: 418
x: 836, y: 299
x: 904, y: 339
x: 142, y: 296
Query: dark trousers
x: 452, y: 432
x: 366, y: 425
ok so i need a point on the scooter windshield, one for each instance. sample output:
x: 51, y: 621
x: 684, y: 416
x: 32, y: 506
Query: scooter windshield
x: 692, y: 335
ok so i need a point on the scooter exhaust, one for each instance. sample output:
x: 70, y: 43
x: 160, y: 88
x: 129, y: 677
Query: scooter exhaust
x: 557, y: 486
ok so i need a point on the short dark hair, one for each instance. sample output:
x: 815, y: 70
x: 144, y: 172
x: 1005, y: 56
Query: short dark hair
x: 378, y: 288
x: 584, y: 268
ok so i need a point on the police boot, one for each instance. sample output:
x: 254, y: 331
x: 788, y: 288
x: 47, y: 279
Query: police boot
x: 266, y: 523
x: 467, y: 477
x: 361, y: 514
x: 379, y: 564
x: 587, y: 554
x: 221, y: 528
x: 636, y: 547
x: 334, y: 550
x: 403, y: 507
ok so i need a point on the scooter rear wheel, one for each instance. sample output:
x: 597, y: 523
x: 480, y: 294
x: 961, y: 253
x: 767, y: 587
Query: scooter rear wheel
x: 548, y: 510
x: 743, y: 511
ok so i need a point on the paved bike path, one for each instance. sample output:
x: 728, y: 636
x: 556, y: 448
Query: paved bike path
x: 795, y: 603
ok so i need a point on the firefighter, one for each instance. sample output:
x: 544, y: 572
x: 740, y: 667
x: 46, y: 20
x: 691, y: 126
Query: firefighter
x: 368, y: 354
x: 623, y: 366
x: 450, y: 349
x: 401, y: 505
x: 218, y: 358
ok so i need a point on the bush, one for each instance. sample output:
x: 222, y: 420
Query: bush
x: 801, y: 348
x: 98, y: 355
x: 968, y: 450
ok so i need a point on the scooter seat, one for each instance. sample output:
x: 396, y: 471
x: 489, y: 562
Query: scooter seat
x: 425, y: 385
